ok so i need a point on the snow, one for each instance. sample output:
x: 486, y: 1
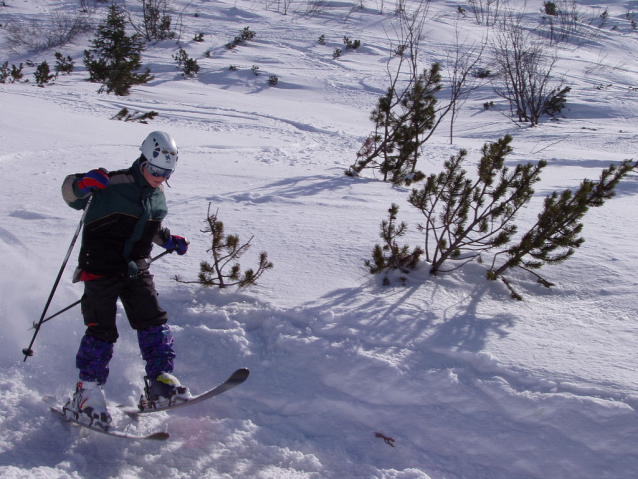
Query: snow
x: 468, y: 382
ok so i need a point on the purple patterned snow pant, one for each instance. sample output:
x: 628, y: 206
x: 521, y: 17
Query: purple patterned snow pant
x: 99, y: 308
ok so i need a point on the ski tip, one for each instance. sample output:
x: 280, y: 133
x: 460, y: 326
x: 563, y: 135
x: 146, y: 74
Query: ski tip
x: 158, y: 436
x: 240, y: 375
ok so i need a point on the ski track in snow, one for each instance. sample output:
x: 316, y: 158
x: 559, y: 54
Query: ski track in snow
x: 467, y: 382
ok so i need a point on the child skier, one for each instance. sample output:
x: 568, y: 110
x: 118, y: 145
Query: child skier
x: 122, y: 222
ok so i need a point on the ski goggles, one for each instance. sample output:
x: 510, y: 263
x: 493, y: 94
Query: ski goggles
x: 158, y: 172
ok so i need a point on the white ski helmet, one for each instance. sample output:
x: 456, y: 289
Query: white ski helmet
x: 160, y: 150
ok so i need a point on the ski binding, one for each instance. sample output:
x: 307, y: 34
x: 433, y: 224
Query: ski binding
x: 59, y: 410
x: 146, y: 407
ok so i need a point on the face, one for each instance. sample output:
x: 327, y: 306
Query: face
x: 154, y: 181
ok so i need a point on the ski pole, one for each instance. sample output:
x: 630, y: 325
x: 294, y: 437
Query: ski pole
x: 35, y: 324
x: 28, y: 351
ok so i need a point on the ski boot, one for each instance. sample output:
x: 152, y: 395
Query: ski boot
x: 88, y: 405
x: 163, y: 391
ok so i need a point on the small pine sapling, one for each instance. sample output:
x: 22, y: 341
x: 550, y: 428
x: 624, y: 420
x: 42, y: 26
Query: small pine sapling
x: 322, y: 40
x: 273, y: 80
x: 226, y: 251
x: 43, y: 74
x: 337, y: 53
x: 63, y: 65
x: 550, y: 9
x: 4, y: 72
x: 244, y: 36
x: 180, y: 57
x: 465, y: 218
x: 189, y: 66
x: 116, y: 58
x: 199, y: 38
x: 390, y: 255
x: 403, y: 123
x: 12, y: 75
x: 351, y: 45
x: 125, y: 115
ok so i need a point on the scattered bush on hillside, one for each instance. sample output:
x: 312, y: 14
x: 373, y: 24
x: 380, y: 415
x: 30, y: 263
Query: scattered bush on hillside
x: 486, y: 12
x: 462, y: 60
x: 390, y: 255
x: 63, y: 65
x: 115, y: 57
x: 273, y: 80
x: 525, y: 76
x: 337, y: 53
x: 405, y: 120
x: 549, y: 8
x: 469, y: 219
x: 401, y: 120
x: 156, y: 21
x: 43, y: 74
x: 465, y: 218
x: 244, y: 36
x: 10, y: 75
x: 41, y: 34
x: 351, y: 45
x: 189, y: 66
x: 226, y: 250
x: 136, y: 116
x: 563, y: 19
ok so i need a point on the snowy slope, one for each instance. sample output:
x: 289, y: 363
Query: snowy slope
x: 468, y: 383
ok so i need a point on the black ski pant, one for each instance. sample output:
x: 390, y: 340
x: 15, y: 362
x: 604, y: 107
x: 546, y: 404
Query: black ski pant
x: 138, y: 296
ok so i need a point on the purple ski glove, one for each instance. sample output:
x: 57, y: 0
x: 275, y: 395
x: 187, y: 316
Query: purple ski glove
x: 178, y: 244
x: 94, y: 179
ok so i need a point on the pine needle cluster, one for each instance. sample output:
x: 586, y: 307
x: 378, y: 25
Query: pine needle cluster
x: 390, y: 255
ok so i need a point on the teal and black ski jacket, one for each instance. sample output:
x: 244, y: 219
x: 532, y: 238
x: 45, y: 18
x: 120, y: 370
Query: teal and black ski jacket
x: 122, y: 222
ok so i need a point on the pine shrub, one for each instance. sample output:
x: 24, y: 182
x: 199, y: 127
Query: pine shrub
x: 189, y: 66
x: 401, y: 121
x: 391, y: 255
x: 557, y: 232
x: 465, y: 218
x: 43, y: 74
x: 351, y: 45
x: 136, y: 116
x: 550, y: 9
x: 226, y: 251
x: 244, y: 36
x: 10, y: 75
x: 115, y: 58
x: 63, y: 65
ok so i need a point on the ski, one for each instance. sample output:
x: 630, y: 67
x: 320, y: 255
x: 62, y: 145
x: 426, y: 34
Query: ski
x: 57, y: 409
x: 235, y: 379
